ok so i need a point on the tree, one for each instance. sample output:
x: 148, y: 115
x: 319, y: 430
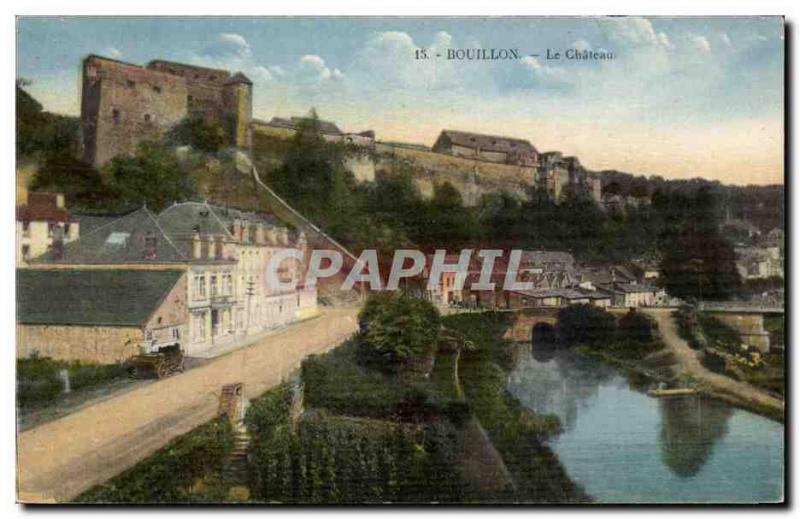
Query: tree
x: 696, y: 261
x: 397, y: 328
x: 153, y: 176
x: 201, y: 133
x: 585, y: 324
x: 81, y: 184
x: 636, y: 327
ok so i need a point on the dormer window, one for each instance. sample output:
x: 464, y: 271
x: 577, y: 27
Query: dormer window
x: 150, y: 243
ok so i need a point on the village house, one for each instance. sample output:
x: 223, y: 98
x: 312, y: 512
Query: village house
x: 99, y: 316
x: 558, y: 297
x: 491, y: 148
x: 224, y: 253
x: 41, y: 224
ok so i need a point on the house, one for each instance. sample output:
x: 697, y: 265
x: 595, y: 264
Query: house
x: 630, y: 295
x: 236, y: 300
x: 759, y: 262
x: 99, y: 316
x: 43, y: 223
x: 490, y: 148
x: 557, y: 297
x: 225, y: 253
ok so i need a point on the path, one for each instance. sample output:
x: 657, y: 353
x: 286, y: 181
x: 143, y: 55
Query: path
x: 60, y: 459
x: 689, y: 361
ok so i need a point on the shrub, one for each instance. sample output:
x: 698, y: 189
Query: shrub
x: 585, y: 324
x: 636, y: 327
x: 397, y: 328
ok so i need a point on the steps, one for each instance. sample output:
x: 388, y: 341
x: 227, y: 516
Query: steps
x: 235, y: 472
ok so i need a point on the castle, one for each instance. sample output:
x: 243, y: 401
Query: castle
x: 123, y: 104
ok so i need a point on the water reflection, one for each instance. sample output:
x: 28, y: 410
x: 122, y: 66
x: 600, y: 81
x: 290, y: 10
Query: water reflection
x: 624, y: 446
x: 551, y: 381
x: 690, y: 427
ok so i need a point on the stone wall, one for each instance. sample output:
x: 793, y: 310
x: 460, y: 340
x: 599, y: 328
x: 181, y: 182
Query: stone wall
x: 472, y: 178
x: 104, y: 345
x: 123, y: 104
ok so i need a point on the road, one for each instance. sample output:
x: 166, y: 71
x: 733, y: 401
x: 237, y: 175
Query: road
x: 60, y: 459
x: 690, y: 363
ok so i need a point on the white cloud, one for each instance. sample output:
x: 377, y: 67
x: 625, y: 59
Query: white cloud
x: 112, y: 52
x: 228, y: 46
x: 700, y: 42
x: 312, y: 68
x: 634, y: 31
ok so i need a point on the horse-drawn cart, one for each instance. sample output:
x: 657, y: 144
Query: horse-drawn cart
x: 167, y: 361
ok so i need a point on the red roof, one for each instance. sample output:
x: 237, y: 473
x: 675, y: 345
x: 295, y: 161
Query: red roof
x: 42, y: 207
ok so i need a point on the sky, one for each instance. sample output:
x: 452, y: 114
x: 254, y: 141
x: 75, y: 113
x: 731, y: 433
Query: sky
x: 682, y: 98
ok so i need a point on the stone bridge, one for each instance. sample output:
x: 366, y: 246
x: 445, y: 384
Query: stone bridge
x: 530, y: 322
x: 746, y: 319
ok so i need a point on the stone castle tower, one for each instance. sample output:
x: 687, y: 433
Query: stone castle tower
x: 123, y: 104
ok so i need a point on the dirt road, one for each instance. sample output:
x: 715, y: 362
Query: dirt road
x: 60, y: 459
x: 690, y: 363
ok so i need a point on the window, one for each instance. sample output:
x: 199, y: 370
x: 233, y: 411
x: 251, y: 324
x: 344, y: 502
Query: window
x: 115, y: 115
x: 26, y: 252
x: 51, y: 230
x: 157, y: 89
x: 189, y: 99
x: 131, y: 84
x: 176, y: 333
x: 147, y: 118
x: 66, y: 229
x: 26, y: 228
x: 213, y: 283
x: 148, y: 335
x: 150, y: 243
x: 212, y: 78
x: 199, y: 287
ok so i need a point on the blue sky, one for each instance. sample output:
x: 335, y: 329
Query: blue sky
x: 683, y: 97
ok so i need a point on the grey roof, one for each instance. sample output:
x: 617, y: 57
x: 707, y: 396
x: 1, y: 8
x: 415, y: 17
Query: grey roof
x: 120, y: 241
x: 487, y: 142
x: 90, y: 222
x: 94, y: 297
x: 566, y: 293
x: 548, y: 260
x: 181, y: 220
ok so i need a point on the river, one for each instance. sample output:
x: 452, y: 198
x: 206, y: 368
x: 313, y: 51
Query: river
x: 623, y: 446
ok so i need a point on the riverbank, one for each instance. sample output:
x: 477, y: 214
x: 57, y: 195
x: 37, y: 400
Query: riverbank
x: 720, y: 386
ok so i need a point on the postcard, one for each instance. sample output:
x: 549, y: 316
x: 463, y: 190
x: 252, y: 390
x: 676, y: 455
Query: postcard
x: 400, y: 260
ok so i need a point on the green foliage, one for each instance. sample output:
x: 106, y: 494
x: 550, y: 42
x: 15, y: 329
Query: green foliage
x: 43, y: 133
x: 719, y: 334
x: 636, y: 327
x: 200, y: 133
x: 39, y: 382
x: 153, y: 175
x: 170, y: 474
x: 397, y: 328
x: 517, y: 433
x: 81, y: 184
x: 344, y: 460
x: 585, y: 324
x: 696, y: 261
